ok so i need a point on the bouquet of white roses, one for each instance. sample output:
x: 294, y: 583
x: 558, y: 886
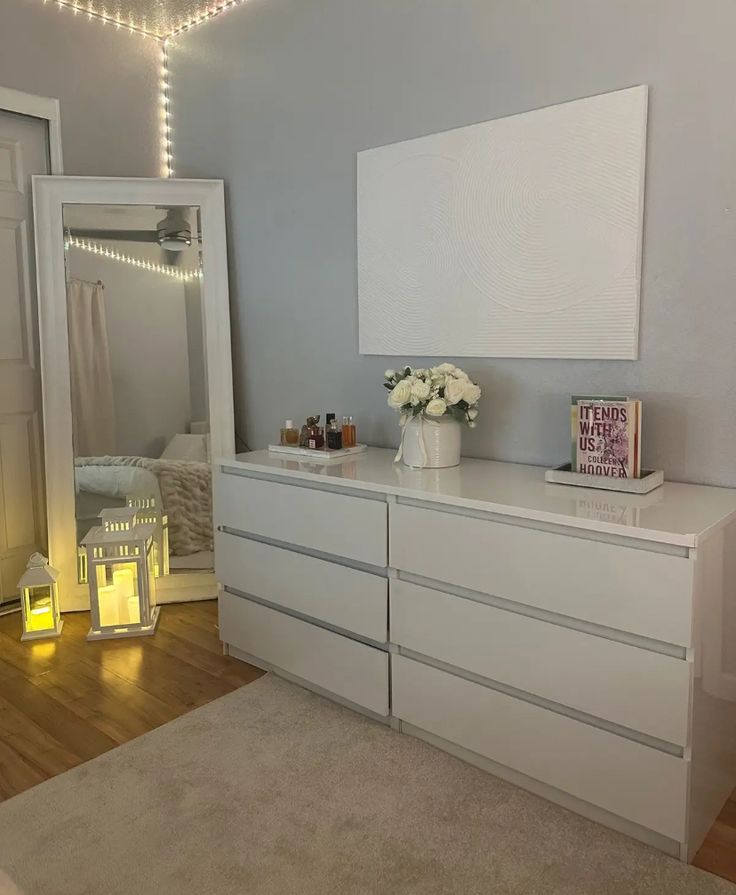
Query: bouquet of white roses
x: 433, y: 392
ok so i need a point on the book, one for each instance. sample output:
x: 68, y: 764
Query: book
x: 608, y: 441
x: 574, y: 419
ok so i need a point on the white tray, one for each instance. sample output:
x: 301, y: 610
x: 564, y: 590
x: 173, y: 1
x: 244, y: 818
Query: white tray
x: 650, y: 479
x: 323, y: 455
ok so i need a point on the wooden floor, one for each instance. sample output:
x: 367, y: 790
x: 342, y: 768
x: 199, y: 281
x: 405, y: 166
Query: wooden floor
x: 718, y: 853
x: 65, y: 701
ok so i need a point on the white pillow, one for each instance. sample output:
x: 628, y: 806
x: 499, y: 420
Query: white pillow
x: 187, y: 447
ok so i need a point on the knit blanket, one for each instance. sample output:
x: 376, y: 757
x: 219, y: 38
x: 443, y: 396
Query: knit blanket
x: 186, y: 492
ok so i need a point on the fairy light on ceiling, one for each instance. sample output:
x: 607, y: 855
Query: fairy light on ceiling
x: 96, y: 248
x: 164, y: 40
x: 204, y: 16
x: 101, y: 15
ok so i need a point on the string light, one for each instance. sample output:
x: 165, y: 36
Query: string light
x: 206, y: 15
x: 106, y: 19
x: 96, y: 248
x: 167, y: 158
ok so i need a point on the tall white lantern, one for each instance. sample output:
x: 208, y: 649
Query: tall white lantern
x: 121, y: 575
x: 39, y: 595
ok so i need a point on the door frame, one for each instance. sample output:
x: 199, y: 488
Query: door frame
x: 44, y: 107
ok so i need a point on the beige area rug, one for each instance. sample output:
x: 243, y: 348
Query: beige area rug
x: 274, y: 790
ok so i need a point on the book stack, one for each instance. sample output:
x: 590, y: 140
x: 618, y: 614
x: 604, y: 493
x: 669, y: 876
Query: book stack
x: 606, y: 436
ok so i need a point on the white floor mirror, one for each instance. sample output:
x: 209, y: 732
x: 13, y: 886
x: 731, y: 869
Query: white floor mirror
x: 136, y: 369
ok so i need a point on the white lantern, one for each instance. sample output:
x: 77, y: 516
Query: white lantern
x: 39, y: 594
x: 149, y: 512
x: 120, y: 569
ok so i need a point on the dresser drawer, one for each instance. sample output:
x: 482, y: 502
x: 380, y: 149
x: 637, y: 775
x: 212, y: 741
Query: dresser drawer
x: 349, y: 669
x: 340, y: 596
x: 638, y: 689
x: 347, y: 526
x: 621, y: 587
x: 632, y: 781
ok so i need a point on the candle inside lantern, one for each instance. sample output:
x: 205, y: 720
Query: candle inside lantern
x: 42, y: 616
x: 109, y: 605
x: 123, y: 580
x: 134, y: 611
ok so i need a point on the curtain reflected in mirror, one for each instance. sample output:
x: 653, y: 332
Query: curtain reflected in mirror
x: 138, y: 375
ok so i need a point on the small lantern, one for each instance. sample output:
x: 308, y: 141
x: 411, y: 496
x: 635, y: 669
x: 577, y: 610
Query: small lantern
x: 149, y: 512
x: 39, y: 594
x: 120, y: 569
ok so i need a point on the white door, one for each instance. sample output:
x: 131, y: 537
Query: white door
x: 23, y: 152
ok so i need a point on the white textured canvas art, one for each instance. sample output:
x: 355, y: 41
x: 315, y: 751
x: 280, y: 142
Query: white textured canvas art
x: 519, y: 237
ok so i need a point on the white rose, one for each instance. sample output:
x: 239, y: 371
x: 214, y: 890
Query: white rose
x: 420, y: 391
x: 446, y: 368
x: 461, y: 374
x: 454, y: 390
x: 472, y: 413
x: 389, y: 374
x: 471, y: 393
x: 400, y: 394
x: 436, y: 407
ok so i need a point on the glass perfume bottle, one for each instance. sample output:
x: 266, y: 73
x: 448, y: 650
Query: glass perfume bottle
x: 289, y: 435
x: 316, y: 439
x: 349, y: 434
x: 304, y: 435
x: 334, y: 435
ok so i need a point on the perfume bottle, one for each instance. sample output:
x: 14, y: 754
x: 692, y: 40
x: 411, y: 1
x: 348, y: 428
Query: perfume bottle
x: 349, y: 434
x: 316, y: 439
x: 290, y: 435
x: 334, y: 435
x: 304, y: 434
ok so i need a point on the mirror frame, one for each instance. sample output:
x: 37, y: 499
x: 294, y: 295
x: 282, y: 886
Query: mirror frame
x: 50, y: 195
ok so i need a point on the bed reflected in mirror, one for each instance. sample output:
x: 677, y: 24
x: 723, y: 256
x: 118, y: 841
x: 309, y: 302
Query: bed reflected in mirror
x: 138, y: 375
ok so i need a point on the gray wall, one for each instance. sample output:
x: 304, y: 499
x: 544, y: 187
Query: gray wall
x: 106, y: 81
x: 279, y: 95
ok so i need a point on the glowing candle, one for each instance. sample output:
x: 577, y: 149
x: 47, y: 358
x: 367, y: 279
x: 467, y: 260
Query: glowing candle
x: 134, y: 611
x: 123, y: 580
x: 109, y: 608
x: 42, y: 617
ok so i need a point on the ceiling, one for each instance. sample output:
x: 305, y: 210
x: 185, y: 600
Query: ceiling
x: 159, y: 17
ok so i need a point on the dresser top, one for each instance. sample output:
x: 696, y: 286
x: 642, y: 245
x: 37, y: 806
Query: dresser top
x: 677, y: 514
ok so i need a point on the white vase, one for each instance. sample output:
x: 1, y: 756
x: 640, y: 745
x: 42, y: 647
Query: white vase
x: 431, y: 443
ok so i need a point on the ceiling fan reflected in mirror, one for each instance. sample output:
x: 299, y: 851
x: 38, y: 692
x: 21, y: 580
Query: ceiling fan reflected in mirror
x: 173, y: 233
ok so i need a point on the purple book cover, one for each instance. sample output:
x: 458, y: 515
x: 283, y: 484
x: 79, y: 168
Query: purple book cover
x: 606, y: 438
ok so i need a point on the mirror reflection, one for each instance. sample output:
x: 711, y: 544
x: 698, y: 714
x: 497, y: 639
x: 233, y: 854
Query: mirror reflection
x: 138, y: 375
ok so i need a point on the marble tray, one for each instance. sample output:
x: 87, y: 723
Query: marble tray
x: 650, y: 479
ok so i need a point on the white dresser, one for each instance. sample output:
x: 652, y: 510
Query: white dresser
x: 578, y: 643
